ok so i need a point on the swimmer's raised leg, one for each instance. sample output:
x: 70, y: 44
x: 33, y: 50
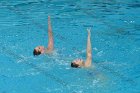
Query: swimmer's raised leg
x: 41, y: 49
x: 79, y: 62
x: 89, y: 53
x: 50, y: 36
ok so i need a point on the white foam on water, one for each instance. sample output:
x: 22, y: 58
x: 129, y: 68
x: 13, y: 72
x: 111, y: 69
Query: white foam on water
x: 94, y: 82
x: 24, y: 58
x: 95, y: 49
x: 100, y: 53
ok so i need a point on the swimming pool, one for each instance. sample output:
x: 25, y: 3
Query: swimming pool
x: 115, y: 38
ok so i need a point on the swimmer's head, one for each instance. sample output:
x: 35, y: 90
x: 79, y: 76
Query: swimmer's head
x: 38, y: 50
x: 77, y: 63
x: 74, y: 65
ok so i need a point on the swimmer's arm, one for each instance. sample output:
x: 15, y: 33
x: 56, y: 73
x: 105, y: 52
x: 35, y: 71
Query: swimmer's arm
x: 50, y: 35
x: 89, y: 54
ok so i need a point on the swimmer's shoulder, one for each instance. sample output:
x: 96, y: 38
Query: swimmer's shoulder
x: 89, y: 66
x: 48, y: 51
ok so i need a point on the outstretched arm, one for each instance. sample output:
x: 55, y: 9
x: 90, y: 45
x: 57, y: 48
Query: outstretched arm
x: 50, y: 35
x: 89, y: 54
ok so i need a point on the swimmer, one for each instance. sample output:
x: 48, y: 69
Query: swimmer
x: 79, y: 62
x: 41, y: 49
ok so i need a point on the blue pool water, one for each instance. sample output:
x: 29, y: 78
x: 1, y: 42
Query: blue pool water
x: 115, y: 38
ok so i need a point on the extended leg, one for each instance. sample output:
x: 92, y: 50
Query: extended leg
x: 89, y: 53
x: 50, y: 35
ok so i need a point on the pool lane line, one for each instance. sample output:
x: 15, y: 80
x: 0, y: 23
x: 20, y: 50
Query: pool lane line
x: 138, y: 76
x: 51, y: 76
x: 19, y: 13
x: 28, y: 3
x: 116, y: 73
x: 104, y: 67
x: 99, y: 19
x: 117, y: 29
x: 4, y: 76
x: 43, y: 71
x: 60, y: 81
x: 121, y: 76
x: 60, y: 37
